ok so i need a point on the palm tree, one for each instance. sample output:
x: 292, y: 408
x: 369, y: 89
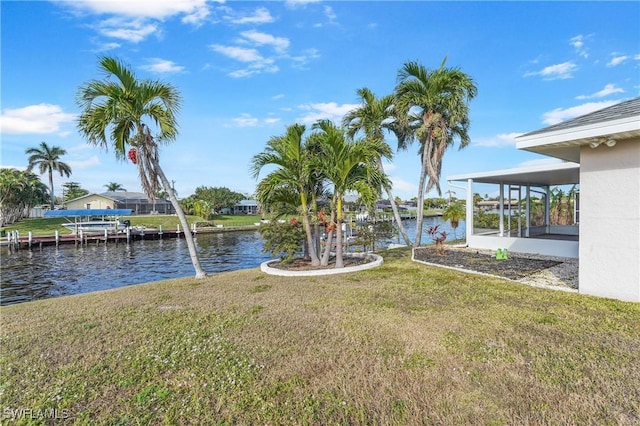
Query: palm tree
x: 450, y: 193
x: 120, y: 110
x: 114, y: 186
x: 293, y: 174
x: 373, y: 117
x: 19, y: 191
x: 454, y: 213
x: 47, y: 159
x: 349, y: 166
x: 433, y: 105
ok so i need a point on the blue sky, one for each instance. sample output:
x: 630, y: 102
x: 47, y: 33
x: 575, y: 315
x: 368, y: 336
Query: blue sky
x: 247, y: 70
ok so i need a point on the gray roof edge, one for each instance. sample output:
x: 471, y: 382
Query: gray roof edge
x: 515, y: 171
x: 629, y: 109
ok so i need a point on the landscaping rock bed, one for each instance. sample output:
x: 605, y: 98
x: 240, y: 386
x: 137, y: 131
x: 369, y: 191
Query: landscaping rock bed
x: 515, y: 267
x: 300, y: 264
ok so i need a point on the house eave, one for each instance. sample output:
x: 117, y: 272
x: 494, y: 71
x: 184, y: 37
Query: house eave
x: 565, y: 143
x: 545, y: 175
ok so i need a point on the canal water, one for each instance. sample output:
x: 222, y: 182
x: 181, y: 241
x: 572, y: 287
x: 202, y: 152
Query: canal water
x: 47, y: 272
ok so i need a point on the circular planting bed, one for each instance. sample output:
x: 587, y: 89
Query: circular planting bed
x: 303, y: 268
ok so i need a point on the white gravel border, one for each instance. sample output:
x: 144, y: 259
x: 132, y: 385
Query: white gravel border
x: 377, y: 261
x: 562, y: 277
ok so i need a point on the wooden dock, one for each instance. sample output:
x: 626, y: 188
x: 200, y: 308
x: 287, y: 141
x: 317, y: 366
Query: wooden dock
x: 22, y: 242
x: 86, y: 239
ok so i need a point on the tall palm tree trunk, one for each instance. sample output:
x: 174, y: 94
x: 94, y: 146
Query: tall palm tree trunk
x: 339, y: 257
x: 328, y: 242
x: 315, y: 260
x: 53, y: 197
x: 420, y: 206
x: 394, y: 208
x: 200, y: 273
x: 396, y: 216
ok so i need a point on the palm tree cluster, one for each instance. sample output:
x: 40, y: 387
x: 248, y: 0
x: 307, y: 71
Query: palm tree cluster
x: 19, y: 192
x: 428, y: 106
x: 324, y: 164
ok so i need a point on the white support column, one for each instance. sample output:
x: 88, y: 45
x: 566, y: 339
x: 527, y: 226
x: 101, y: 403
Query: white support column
x: 547, y: 210
x: 469, y: 218
x: 501, y: 209
x: 527, y: 214
x: 519, y: 211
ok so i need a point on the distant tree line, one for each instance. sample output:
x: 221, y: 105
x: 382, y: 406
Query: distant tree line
x: 207, y: 201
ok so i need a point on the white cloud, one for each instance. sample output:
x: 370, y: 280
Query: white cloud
x: 246, y: 120
x: 559, y: 115
x: 300, y: 61
x: 327, y: 110
x: 162, y: 66
x: 578, y: 43
x: 251, y: 48
x: 402, y: 188
x: 278, y: 96
x: 259, y: 16
x: 279, y: 43
x: 9, y: 166
x: 34, y: 119
x: 501, y: 140
x: 104, y: 47
x: 608, y: 90
x: 257, y: 63
x: 330, y: 14
x: 556, y: 72
x: 296, y: 3
x: 238, y: 53
x: 81, y: 148
x: 134, y: 21
x: 617, y: 60
x: 157, y: 9
x: 133, y: 31
x: 86, y: 163
x: 265, y: 65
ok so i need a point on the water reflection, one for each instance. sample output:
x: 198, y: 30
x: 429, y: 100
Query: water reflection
x: 67, y: 269
x: 50, y: 271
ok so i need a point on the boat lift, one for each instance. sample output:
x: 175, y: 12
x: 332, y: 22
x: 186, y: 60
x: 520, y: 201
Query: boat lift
x: 78, y: 214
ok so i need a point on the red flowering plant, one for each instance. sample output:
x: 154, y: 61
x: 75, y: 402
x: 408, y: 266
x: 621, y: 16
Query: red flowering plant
x: 133, y: 155
x: 438, y: 237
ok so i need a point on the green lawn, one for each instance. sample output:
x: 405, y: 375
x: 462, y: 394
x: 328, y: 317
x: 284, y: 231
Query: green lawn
x: 400, y: 344
x: 48, y: 226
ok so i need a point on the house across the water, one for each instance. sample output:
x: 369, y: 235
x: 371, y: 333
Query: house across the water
x: 138, y: 202
x: 601, y: 154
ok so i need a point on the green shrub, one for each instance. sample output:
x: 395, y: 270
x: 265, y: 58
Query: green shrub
x: 282, y: 238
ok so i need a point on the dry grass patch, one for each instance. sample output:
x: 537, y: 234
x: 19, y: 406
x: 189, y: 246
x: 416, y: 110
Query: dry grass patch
x: 399, y: 344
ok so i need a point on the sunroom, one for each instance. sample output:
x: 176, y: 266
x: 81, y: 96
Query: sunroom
x: 535, y: 210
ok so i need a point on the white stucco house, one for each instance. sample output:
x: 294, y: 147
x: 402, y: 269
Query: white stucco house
x: 138, y: 202
x: 601, y: 153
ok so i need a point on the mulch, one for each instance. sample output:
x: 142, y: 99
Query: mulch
x: 300, y: 264
x: 513, y: 268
